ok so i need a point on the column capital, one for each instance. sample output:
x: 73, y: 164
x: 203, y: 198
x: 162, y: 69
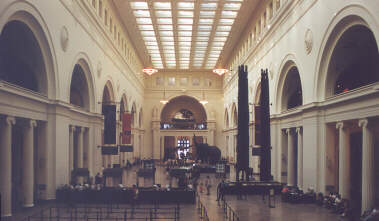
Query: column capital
x: 32, y: 123
x: 288, y: 131
x: 81, y: 129
x: 340, y: 125
x: 299, y: 130
x: 72, y: 128
x: 363, y: 122
x: 10, y: 120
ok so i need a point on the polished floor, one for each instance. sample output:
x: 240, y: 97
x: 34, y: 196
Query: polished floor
x: 252, y: 208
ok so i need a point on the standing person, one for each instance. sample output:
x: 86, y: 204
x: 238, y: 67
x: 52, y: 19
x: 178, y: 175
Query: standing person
x: 220, y: 190
x: 98, y: 180
x: 134, y: 198
x: 208, y: 185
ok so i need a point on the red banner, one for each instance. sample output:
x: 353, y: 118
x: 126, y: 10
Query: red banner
x: 126, y: 128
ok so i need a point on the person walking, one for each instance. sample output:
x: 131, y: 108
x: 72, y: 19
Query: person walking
x: 208, y: 185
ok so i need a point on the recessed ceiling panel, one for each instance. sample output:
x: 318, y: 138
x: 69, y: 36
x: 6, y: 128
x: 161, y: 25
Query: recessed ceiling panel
x: 181, y: 34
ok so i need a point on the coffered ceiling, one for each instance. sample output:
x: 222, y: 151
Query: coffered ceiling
x: 185, y: 34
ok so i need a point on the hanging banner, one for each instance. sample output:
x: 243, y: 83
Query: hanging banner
x: 109, y: 112
x: 126, y: 128
x: 126, y: 148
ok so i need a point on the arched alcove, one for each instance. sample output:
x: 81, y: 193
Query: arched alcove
x: 226, y: 117
x: 234, y: 116
x: 123, y: 105
x: 21, y: 58
x: 354, y: 62
x: 79, y: 91
x: 134, y: 114
x: 292, y: 94
x: 184, y: 112
x: 140, y: 118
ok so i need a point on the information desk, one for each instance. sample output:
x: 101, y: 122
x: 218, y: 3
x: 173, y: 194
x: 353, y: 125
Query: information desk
x: 122, y: 196
x: 253, y: 187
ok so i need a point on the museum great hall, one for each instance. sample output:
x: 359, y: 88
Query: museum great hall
x: 167, y: 70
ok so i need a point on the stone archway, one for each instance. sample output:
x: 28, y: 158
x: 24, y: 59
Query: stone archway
x: 21, y: 60
x: 79, y: 91
x: 354, y: 62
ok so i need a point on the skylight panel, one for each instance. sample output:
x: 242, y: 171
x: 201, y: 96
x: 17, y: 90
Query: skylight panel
x: 169, y: 51
x: 185, y: 5
x: 204, y: 33
x: 167, y: 43
x: 186, y: 55
x: 200, y: 38
x: 149, y: 39
x: 220, y: 39
x: 216, y: 48
x: 166, y: 33
x: 162, y: 5
x: 146, y: 27
x: 229, y: 14
x: 144, y: 21
x: 185, y: 33
x: 224, y: 28
x: 185, y: 21
x: 147, y: 33
x: 226, y: 21
x: 141, y: 13
x: 208, y: 6
x: 159, y: 14
x: 201, y: 48
x: 155, y: 55
x: 165, y: 27
x: 164, y: 21
x: 207, y: 14
x: 201, y: 43
x: 139, y: 5
x: 205, y: 21
x: 232, y: 6
x: 185, y: 14
x: 185, y: 43
x: 153, y: 51
x: 184, y: 38
x: 184, y: 48
x: 218, y: 43
x: 151, y: 43
x: 185, y: 27
x: 169, y: 48
x: 204, y: 27
x: 222, y: 33
x: 167, y: 39
x: 152, y: 47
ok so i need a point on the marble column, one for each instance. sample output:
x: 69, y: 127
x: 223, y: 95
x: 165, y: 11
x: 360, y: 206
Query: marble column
x: 28, y: 164
x: 299, y: 157
x: 71, y: 150
x: 6, y: 166
x: 80, y: 147
x: 368, y: 157
x: 344, y: 161
x: 291, y: 159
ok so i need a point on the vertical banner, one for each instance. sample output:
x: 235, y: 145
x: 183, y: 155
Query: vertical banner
x: 109, y: 112
x: 126, y: 128
x: 257, y: 116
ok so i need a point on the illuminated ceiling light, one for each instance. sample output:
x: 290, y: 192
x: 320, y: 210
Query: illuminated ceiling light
x: 150, y: 71
x: 220, y: 71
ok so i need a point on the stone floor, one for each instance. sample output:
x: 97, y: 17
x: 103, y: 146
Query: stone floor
x: 252, y: 208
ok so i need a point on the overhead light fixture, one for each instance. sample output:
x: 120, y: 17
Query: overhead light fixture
x: 203, y: 101
x: 164, y: 100
x: 150, y: 71
x: 220, y: 71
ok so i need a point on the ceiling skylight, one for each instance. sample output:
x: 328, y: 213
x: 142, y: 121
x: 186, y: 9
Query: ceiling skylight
x: 185, y: 33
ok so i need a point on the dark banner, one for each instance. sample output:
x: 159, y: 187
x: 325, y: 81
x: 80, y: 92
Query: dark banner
x: 109, y: 150
x: 256, y: 151
x: 126, y: 128
x: 257, y: 113
x: 109, y: 112
x: 126, y: 148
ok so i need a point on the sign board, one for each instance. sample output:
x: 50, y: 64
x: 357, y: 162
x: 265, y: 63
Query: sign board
x: 109, y: 150
x: 256, y: 151
x: 126, y: 148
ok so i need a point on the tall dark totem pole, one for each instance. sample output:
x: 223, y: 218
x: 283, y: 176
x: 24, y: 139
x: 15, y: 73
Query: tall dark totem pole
x: 265, y: 165
x: 242, y: 166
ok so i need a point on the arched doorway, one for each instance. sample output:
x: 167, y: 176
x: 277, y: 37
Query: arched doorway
x: 292, y: 94
x: 181, y: 118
